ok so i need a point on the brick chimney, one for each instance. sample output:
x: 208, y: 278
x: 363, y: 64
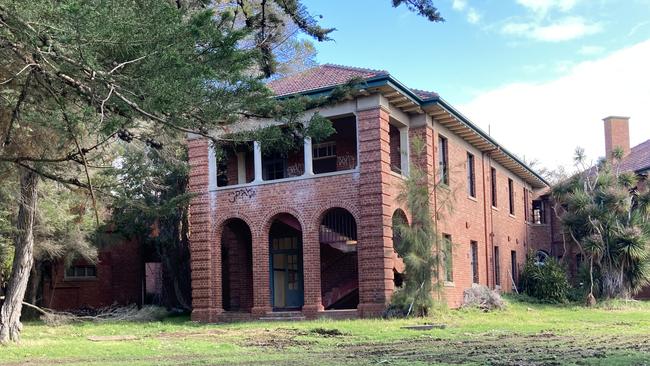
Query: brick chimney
x: 617, y: 134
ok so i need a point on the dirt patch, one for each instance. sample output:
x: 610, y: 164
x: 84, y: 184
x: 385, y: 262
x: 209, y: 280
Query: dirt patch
x: 545, y: 348
x: 327, y: 332
x: 280, y: 338
x: 112, y: 338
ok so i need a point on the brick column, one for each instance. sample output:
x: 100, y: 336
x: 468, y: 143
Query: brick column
x: 311, y: 273
x: 261, y: 279
x: 375, y: 235
x: 205, y: 258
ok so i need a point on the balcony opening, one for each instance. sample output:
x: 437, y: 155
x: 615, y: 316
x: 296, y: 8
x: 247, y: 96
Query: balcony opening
x: 280, y: 165
x: 235, y: 164
x: 339, y: 151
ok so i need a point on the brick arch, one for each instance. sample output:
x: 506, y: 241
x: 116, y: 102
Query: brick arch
x: 322, y: 209
x: 221, y: 224
x: 267, y: 221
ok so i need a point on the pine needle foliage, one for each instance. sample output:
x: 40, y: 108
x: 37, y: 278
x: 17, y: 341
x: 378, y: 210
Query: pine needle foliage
x: 419, y: 246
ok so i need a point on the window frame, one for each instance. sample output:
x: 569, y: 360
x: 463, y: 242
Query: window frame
x: 448, y: 258
x: 443, y: 159
x: 493, y: 187
x: 474, y: 261
x: 471, y: 175
x: 511, y: 196
x: 497, y: 266
x: 85, y: 276
x: 514, y: 268
x: 538, y: 214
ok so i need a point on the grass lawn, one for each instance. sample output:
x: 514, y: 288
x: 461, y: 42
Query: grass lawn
x: 524, y: 334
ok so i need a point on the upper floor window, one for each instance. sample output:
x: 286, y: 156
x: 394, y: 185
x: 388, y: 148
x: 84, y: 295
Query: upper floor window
x: 274, y: 167
x: 539, y: 214
x: 526, y: 213
x: 511, y: 196
x: 493, y: 186
x: 443, y: 160
x: 325, y: 150
x: 471, y: 178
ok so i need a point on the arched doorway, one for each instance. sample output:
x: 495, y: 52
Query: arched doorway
x: 339, y: 260
x: 285, y: 255
x: 237, y: 266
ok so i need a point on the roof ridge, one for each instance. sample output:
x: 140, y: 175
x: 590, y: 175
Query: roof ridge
x: 355, y: 68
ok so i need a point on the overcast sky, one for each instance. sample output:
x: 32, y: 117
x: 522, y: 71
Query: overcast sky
x: 539, y: 74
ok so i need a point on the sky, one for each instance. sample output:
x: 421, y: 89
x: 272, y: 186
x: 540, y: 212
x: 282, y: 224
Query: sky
x: 539, y: 75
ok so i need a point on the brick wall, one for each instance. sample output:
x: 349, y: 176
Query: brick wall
x: 118, y: 281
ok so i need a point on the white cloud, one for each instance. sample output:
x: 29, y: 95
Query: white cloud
x: 565, y: 29
x: 547, y: 121
x: 542, y: 7
x: 473, y: 16
x: 459, y: 5
x: 591, y: 50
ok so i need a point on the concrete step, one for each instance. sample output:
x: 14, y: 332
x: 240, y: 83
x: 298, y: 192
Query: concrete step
x: 281, y: 318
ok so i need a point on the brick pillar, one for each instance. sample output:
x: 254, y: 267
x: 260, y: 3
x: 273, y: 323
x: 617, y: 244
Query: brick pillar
x: 311, y: 272
x: 375, y: 235
x: 205, y: 259
x: 261, y: 279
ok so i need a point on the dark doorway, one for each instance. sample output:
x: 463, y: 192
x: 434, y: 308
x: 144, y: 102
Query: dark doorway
x: 237, y: 266
x: 285, y: 246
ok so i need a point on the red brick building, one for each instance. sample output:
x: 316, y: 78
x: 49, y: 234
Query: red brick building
x: 311, y: 232
x: 115, y: 278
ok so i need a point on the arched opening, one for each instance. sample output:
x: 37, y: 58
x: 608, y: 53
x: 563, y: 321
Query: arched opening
x: 339, y: 261
x: 541, y: 257
x: 237, y: 266
x: 399, y: 219
x: 285, y: 249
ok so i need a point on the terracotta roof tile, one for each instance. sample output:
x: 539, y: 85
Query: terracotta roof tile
x: 320, y: 77
x: 638, y: 159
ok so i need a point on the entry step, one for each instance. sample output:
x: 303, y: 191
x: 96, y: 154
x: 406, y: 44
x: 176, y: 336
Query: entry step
x: 283, y: 315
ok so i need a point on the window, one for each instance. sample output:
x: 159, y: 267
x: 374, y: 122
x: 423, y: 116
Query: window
x: 395, y: 149
x: 513, y: 265
x: 222, y: 174
x: 448, y: 257
x: 443, y: 160
x: 497, y: 267
x: 493, y: 186
x: 526, y: 213
x: 274, y: 167
x: 539, y: 216
x: 81, y: 272
x: 474, y: 250
x: 471, y: 180
x: 326, y: 150
x: 511, y: 196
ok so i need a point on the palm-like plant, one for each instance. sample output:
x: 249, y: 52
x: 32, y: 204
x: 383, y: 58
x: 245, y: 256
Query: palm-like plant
x: 607, y: 215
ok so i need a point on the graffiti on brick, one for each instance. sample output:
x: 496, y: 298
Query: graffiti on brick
x: 345, y: 162
x: 295, y: 170
x: 241, y: 194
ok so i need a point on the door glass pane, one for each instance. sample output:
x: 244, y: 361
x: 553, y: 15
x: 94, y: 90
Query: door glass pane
x: 279, y: 286
x: 279, y: 261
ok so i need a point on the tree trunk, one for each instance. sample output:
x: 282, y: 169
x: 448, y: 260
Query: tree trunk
x: 10, y: 325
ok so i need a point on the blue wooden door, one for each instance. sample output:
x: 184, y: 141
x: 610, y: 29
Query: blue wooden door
x: 286, y: 273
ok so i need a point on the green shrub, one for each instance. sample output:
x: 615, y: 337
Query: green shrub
x: 546, y: 281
